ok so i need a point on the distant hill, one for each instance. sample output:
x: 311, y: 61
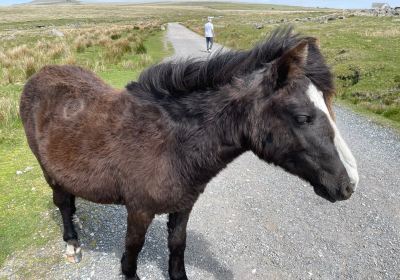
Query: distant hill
x: 49, y: 2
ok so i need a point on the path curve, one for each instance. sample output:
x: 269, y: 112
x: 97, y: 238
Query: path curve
x: 255, y: 221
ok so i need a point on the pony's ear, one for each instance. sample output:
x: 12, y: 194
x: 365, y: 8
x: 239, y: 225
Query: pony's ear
x: 291, y: 62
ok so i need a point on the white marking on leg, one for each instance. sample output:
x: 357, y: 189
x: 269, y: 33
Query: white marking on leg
x: 344, y: 152
x: 73, y: 254
x: 70, y: 251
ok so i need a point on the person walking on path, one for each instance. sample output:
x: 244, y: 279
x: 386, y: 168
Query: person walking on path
x: 209, y: 34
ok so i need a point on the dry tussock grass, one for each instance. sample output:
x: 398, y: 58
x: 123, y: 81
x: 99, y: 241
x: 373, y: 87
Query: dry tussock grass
x: 5, y: 61
x: 69, y: 59
x: 98, y: 66
x: 104, y: 41
x: 144, y: 60
x: 19, y: 52
x: 81, y: 43
x: 43, y: 45
x: 58, y: 50
x: 7, y: 76
x: 29, y: 66
x: 117, y: 49
x: 22, y: 61
x: 134, y: 38
x: 128, y: 65
x: 113, y: 54
x: 8, y: 110
x: 123, y: 45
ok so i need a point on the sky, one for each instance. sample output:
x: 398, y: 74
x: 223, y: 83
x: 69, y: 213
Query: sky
x: 345, y: 4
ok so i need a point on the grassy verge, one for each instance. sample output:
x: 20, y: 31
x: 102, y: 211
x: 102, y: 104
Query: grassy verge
x: 376, y: 118
x: 24, y: 200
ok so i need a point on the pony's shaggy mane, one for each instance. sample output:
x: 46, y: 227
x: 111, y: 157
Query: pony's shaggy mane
x: 179, y: 78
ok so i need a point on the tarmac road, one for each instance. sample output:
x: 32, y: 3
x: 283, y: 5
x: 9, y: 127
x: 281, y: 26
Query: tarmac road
x: 255, y: 221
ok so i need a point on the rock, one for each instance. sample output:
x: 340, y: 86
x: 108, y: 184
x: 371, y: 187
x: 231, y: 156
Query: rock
x: 56, y: 33
x: 28, y: 168
x: 258, y: 26
x: 10, y: 37
x: 388, y: 12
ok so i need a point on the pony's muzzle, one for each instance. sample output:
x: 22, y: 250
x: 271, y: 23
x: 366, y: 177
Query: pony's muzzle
x: 346, y: 191
x: 339, y: 190
x: 346, y: 187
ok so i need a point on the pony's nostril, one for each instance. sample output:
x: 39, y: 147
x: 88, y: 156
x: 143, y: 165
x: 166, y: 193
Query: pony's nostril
x: 350, y: 189
x: 347, y: 191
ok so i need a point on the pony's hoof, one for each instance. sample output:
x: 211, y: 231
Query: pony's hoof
x: 136, y: 277
x: 73, y: 252
x: 181, y: 277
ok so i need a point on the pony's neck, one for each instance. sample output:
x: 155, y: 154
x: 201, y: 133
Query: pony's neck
x: 203, y: 149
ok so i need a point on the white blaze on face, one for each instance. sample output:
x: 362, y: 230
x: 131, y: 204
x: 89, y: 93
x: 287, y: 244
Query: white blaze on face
x: 344, y: 152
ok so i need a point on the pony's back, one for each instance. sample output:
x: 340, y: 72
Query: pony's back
x: 43, y: 91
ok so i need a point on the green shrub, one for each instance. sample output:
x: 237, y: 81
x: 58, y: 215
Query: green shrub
x: 397, y: 81
x: 392, y: 113
x: 115, y: 36
x: 350, y: 75
x: 140, y: 48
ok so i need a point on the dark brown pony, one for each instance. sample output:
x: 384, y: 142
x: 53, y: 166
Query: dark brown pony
x: 154, y: 146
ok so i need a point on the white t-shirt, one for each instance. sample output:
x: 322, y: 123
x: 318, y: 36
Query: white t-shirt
x: 208, y: 29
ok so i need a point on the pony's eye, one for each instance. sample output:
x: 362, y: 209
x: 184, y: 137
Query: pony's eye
x: 303, y: 119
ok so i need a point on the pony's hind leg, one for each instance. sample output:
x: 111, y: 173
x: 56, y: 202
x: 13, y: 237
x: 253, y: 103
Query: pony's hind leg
x: 66, y: 203
x: 177, y: 223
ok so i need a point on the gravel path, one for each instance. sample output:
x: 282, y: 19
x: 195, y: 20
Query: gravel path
x: 257, y: 222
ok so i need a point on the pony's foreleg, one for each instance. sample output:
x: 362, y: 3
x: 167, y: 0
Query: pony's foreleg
x: 66, y: 203
x: 138, y: 223
x: 177, y: 223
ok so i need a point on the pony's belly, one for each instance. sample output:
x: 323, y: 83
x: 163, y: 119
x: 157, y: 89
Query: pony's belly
x: 96, y: 183
x: 96, y: 192
x: 171, y: 199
